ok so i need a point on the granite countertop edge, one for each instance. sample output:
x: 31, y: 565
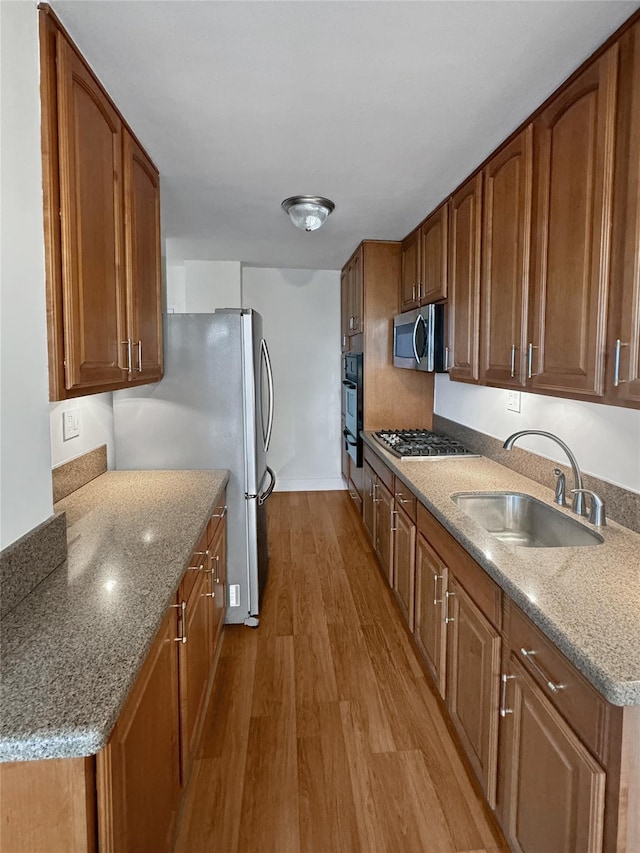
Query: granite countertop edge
x: 67, y: 736
x: 620, y: 693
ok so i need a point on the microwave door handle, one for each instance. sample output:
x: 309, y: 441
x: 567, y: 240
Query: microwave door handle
x: 413, y: 341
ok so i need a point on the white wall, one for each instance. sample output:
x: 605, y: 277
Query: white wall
x: 96, y: 428
x: 604, y: 439
x: 200, y: 287
x: 301, y: 312
x: 25, y: 461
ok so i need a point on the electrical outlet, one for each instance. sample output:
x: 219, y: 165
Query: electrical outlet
x: 513, y: 401
x: 234, y: 595
x: 70, y: 424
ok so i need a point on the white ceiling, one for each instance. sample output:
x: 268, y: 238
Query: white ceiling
x: 384, y: 107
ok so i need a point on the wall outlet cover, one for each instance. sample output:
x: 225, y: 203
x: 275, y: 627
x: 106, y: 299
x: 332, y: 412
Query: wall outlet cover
x: 513, y: 401
x: 70, y: 424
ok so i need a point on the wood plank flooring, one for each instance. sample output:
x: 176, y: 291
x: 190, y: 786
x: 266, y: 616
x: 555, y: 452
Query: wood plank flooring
x: 323, y: 734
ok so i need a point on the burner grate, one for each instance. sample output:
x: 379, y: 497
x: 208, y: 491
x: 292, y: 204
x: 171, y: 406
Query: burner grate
x: 421, y: 444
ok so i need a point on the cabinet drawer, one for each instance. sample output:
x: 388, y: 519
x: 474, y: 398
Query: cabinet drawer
x: 405, y: 497
x: 486, y: 594
x: 196, y: 563
x: 385, y: 474
x: 583, y: 707
x: 218, y: 514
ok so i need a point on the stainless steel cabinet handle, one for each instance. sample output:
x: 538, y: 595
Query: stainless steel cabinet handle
x: 530, y: 350
x: 616, y: 370
x: 530, y: 654
x: 139, y: 345
x: 375, y: 498
x: 220, y: 514
x: 182, y: 607
x: 419, y: 290
x: 201, y: 566
x: 513, y: 360
x: 503, y: 695
x: 400, y: 499
x: 413, y: 293
x: 393, y: 512
x: 448, y: 618
x: 436, y: 578
x: 446, y: 359
x: 129, y: 344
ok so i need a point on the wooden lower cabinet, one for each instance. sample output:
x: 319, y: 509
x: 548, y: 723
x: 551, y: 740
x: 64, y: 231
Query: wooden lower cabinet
x: 384, y: 508
x: 404, y: 563
x: 368, y: 506
x: 473, y: 683
x: 552, y: 790
x: 138, y: 772
x: 430, y: 628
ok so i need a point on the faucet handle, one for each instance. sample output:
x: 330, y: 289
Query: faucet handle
x: 597, y: 514
x: 561, y: 485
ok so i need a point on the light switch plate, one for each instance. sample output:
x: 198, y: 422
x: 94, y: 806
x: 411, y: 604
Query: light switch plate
x: 70, y: 424
x: 513, y: 401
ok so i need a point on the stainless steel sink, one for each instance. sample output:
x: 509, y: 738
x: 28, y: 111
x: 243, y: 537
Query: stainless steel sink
x: 520, y: 519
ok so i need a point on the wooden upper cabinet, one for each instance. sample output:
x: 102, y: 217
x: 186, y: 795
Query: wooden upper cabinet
x: 102, y: 231
x: 344, y: 311
x: 573, y: 166
x: 356, y: 293
x: 506, y: 241
x: 90, y: 151
x: 142, y: 240
x: 464, y: 280
x: 410, y: 276
x: 623, y: 363
x: 434, y: 238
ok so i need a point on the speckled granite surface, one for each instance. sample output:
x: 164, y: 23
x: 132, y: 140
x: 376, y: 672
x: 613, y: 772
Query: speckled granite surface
x: 72, y: 649
x: 72, y: 475
x: 27, y: 561
x: 622, y: 504
x: 586, y: 600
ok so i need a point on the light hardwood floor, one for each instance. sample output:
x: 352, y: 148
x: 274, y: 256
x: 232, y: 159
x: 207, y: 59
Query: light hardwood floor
x: 323, y: 733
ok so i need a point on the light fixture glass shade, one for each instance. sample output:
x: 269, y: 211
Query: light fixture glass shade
x: 307, y: 212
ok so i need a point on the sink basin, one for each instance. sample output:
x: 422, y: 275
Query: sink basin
x: 519, y: 519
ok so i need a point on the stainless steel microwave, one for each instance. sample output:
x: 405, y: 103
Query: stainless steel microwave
x: 419, y: 339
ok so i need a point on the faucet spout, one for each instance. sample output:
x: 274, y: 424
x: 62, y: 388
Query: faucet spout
x: 577, y: 504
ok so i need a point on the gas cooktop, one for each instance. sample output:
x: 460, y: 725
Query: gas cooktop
x: 421, y: 444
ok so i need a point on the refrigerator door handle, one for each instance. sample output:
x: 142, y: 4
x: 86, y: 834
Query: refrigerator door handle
x: 264, y: 495
x: 267, y: 362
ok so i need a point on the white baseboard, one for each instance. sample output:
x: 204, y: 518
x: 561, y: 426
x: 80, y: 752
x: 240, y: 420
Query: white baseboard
x: 328, y: 484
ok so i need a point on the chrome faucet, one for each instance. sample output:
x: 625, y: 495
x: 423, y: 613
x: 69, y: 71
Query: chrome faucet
x: 577, y: 504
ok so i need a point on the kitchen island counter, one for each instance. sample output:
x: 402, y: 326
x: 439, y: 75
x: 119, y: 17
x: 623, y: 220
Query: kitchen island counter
x: 585, y: 599
x: 71, y: 650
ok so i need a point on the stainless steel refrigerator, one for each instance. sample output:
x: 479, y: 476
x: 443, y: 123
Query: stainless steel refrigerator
x: 212, y: 409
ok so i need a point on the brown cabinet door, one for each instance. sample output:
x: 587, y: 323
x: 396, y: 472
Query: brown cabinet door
x: 142, y: 243
x: 195, y: 666
x: 217, y: 587
x: 404, y: 561
x: 506, y: 244
x: 551, y: 795
x: 90, y: 152
x: 473, y: 684
x: 384, y: 528
x: 573, y: 156
x: 368, y: 493
x: 138, y: 772
x: 434, y: 237
x: 409, y: 279
x: 356, y: 293
x: 623, y: 373
x: 344, y: 311
x: 430, y: 628
x: 464, y: 280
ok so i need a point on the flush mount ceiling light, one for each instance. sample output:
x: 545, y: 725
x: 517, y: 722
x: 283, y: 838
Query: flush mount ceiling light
x: 307, y: 212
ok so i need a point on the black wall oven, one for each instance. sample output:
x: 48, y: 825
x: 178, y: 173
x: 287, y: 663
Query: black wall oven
x: 352, y: 405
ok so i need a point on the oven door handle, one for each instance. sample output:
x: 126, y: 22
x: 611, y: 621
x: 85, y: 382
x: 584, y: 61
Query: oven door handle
x: 347, y: 436
x: 349, y: 384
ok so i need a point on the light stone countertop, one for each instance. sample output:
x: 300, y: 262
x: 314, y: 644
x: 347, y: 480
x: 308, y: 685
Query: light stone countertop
x: 71, y: 650
x: 586, y: 599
